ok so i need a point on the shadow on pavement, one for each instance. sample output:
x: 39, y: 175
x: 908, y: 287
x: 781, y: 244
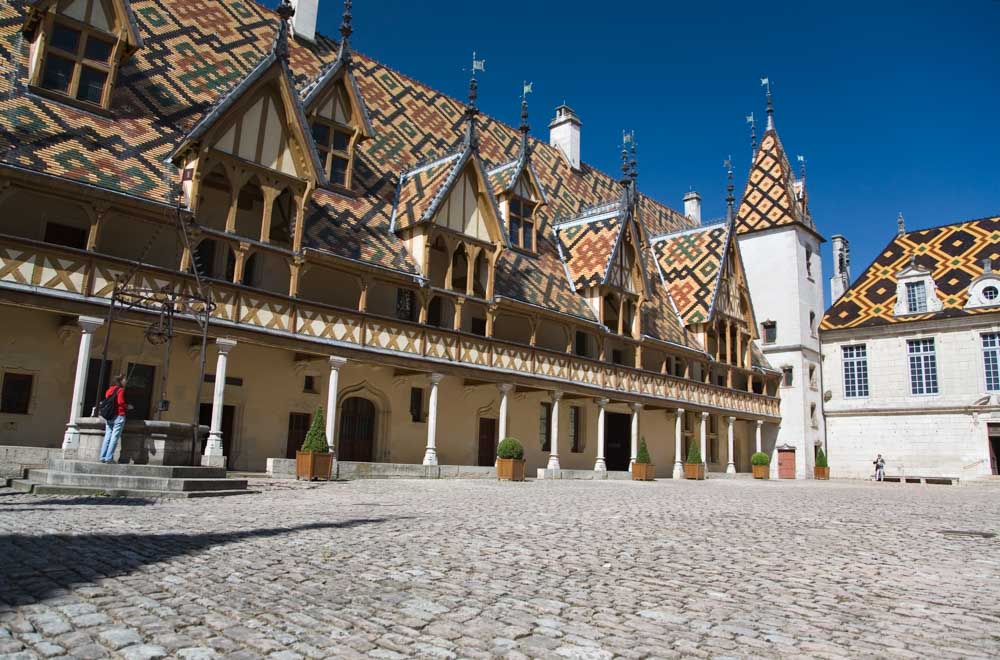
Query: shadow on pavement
x: 71, y: 501
x: 35, y: 567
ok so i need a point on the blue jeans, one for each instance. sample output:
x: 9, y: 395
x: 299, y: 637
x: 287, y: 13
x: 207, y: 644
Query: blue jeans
x: 111, y: 437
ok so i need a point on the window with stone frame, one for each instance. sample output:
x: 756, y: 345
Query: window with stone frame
x: 769, y: 331
x: 855, y: 364
x: 923, y: 366
x: 521, y: 224
x: 916, y: 297
x: 787, y: 374
x: 334, y: 145
x: 991, y: 360
x: 15, y: 393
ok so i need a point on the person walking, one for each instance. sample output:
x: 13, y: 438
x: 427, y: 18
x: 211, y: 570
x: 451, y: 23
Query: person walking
x: 114, y: 425
x: 879, y: 464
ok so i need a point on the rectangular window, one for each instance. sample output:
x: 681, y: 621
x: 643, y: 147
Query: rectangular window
x: 812, y: 416
x: 521, y: 227
x: 65, y: 235
x: 406, y: 309
x: 580, y: 345
x: 333, y: 144
x: 812, y: 376
x: 923, y: 366
x: 770, y: 331
x: 77, y: 63
x: 15, y: 396
x: 916, y: 297
x: 786, y: 376
x: 575, y: 435
x: 545, y: 426
x: 991, y: 361
x: 616, y: 356
x: 309, y: 384
x: 416, y: 404
x: 855, y: 371
x: 478, y: 327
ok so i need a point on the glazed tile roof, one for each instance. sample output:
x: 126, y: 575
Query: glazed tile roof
x: 588, y: 243
x: 197, y: 51
x: 954, y: 256
x: 691, y: 261
x: 421, y: 188
x: 770, y: 199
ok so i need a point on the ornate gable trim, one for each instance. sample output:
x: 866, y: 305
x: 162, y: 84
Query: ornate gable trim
x: 319, y: 90
x: 123, y: 12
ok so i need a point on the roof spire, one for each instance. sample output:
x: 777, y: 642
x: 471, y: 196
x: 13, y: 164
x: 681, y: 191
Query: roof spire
x: 728, y: 164
x: 626, y: 138
x: 285, y: 13
x: 900, y: 225
x: 766, y: 82
x: 753, y: 135
x: 471, y: 110
x: 802, y: 172
x: 345, y: 32
x: 526, y: 89
x: 633, y: 170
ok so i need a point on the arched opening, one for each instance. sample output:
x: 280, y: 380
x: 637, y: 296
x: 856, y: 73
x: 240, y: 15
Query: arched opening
x: 250, y: 209
x: 357, y: 430
x: 509, y: 327
x: 481, y: 275
x: 282, y: 219
x: 214, y: 259
x: 438, y: 266
x: 215, y: 198
x: 459, y: 270
x: 329, y: 287
x: 267, y: 271
x: 610, y: 305
x: 441, y: 312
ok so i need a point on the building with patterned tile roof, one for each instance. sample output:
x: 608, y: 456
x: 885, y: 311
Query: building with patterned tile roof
x: 435, y: 278
x: 912, y: 355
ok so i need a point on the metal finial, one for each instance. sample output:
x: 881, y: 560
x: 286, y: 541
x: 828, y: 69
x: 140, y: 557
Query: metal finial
x: 633, y: 163
x: 730, y: 198
x: 285, y: 12
x: 753, y: 135
x: 766, y: 82
x: 526, y: 89
x: 900, y: 225
x: 345, y: 32
x: 802, y: 159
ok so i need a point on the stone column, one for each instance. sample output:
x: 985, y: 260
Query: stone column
x: 430, y: 456
x: 214, y: 453
x: 331, y: 400
x: 704, y: 440
x: 634, y: 451
x: 760, y: 425
x: 554, y: 446
x: 731, y: 465
x: 505, y: 390
x: 71, y: 439
x: 599, y: 464
x: 678, y: 443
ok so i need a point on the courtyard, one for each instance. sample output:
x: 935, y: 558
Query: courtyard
x: 470, y: 568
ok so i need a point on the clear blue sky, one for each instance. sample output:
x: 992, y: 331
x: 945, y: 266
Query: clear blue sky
x: 896, y: 106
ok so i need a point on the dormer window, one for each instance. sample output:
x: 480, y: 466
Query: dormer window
x: 916, y: 291
x: 521, y: 223
x: 916, y: 298
x: 334, y: 144
x: 985, y: 289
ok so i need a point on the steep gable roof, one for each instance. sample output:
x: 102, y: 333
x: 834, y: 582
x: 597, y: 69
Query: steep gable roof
x: 123, y: 12
x: 588, y: 243
x: 953, y: 254
x: 770, y: 199
x: 691, y: 262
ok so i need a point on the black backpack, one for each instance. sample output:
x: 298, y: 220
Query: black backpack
x: 108, y: 408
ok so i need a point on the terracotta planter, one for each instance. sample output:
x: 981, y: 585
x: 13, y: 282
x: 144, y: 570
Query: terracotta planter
x: 694, y: 471
x: 510, y: 469
x: 822, y: 474
x: 643, y: 472
x: 311, y: 465
x: 761, y: 471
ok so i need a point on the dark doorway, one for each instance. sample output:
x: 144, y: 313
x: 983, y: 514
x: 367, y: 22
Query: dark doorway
x: 298, y: 426
x: 139, y: 389
x: 617, y: 441
x: 228, y: 426
x: 357, y: 430
x: 487, y: 441
x: 94, y: 391
x: 994, y: 441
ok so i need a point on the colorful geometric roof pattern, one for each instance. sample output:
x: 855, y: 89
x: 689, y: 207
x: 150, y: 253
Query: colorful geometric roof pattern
x: 196, y: 52
x: 691, y: 261
x: 420, y: 188
x: 954, y: 256
x: 769, y: 199
x: 587, y: 244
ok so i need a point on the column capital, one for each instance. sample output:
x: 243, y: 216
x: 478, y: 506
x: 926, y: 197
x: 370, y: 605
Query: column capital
x: 602, y: 402
x: 679, y: 412
x: 336, y: 362
x: 636, y: 407
x: 730, y: 419
x: 760, y: 423
x: 506, y: 388
x: 89, y: 323
x: 556, y: 395
x: 705, y: 415
x: 436, y: 378
x: 225, y: 344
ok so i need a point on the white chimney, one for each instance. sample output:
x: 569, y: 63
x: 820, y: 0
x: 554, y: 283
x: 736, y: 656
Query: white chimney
x: 304, y: 19
x: 564, y: 132
x: 692, y: 206
x: 841, y: 267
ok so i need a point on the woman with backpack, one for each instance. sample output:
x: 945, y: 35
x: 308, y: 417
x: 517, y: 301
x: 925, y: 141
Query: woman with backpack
x: 113, y: 410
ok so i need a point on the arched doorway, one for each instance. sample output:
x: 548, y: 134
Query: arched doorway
x: 357, y: 430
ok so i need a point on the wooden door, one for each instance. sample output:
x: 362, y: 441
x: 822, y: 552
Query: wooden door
x: 617, y: 441
x: 487, y: 441
x: 298, y: 426
x: 786, y: 463
x: 357, y: 431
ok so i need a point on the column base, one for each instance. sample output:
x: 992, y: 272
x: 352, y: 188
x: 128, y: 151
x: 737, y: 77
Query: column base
x: 71, y: 439
x: 678, y: 470
x: 214, y: 461
x: 430, y: 458
x: 600, y: 465
x: 631, y: 462
x: 553, y: 463
x: 731, y: 468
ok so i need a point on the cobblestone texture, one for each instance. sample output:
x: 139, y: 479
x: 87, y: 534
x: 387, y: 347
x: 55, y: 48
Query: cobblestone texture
x: 447, y: 569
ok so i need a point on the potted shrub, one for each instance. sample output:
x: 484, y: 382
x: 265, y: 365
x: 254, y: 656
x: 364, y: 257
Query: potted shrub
x: 822, y: 469
x: 693, y: 467
x: 314, y: 460
x: 643, y: 469
x: 510, y: 460
x: 761, y: 463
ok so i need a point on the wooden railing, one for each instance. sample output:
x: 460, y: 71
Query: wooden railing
x: 68, y: 272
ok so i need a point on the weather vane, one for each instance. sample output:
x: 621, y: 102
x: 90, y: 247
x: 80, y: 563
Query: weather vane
x: 802, y: 159
x: 477, y: 65
x: 525, y: 89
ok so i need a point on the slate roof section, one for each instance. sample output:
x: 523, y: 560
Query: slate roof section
x: 691, y: 262
x: 953, y: 254
x: 769, y: 199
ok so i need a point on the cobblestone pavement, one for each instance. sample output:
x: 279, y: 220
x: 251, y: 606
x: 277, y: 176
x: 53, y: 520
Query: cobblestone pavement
x: 449, y: 569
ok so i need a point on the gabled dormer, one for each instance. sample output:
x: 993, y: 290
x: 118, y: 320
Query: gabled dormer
x: 916, y: 291
x: 77, y: 47
x: 337, y: 114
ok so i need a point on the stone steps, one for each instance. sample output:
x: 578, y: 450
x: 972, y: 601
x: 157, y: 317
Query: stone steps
x: 25, y: 486
x: 132, y: 470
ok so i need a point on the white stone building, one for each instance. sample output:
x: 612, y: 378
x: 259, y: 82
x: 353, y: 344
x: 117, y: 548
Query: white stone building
x: 911, y: 356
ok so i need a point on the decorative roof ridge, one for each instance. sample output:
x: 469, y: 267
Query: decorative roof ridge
x: 589, y: 213
x: 503, y: 166
x: 730, y: 229
x: 948, y: 225
x: 692, y: 230
x: 428, y: 163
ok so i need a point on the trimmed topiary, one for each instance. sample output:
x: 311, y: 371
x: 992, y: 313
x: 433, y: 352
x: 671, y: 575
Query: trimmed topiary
x: 694, y: 454
x: 316, y: 437
x: 643, y: 456
x: 510, y: 448
x: 821, y: 458
x: 760, y: 458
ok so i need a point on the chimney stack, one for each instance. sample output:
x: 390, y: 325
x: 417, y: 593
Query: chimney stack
x: 841, y: 267
x: 564, y: 132
x: 692, y: 206
x: 304, y: 19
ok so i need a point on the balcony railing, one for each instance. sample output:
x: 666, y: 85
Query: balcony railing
x: 63, y: 272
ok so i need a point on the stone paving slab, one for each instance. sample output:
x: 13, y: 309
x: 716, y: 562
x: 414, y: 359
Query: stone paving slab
x: 481, y: 569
